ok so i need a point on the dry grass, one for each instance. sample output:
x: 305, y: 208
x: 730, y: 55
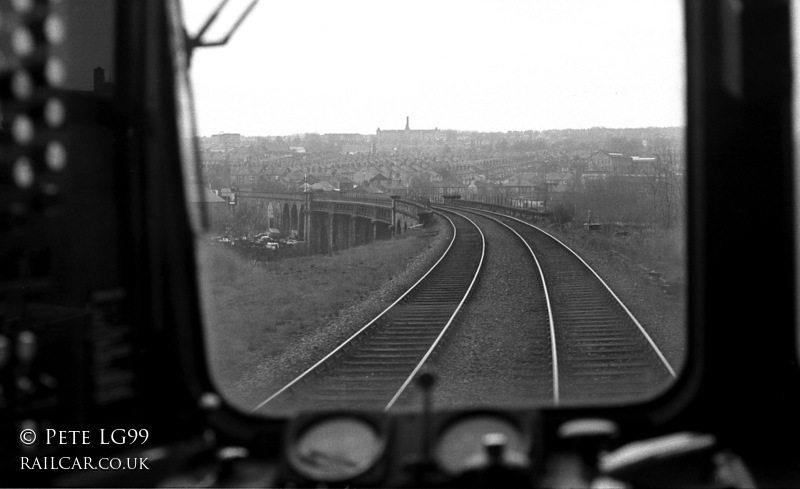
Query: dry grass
x: 656, y: 249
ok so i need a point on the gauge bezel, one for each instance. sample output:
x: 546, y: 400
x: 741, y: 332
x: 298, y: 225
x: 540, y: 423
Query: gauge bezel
x: 522, y: 423
x: 304, y: 422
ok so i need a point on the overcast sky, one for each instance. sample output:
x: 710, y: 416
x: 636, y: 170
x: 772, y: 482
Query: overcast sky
x: 337, y: 66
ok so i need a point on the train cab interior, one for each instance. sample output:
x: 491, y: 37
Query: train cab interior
x: 101, y: 320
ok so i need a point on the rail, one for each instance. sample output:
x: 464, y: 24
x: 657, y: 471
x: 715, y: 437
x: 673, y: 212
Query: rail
x: 604, y: 351
x: 551, y: 323
x: 400, y: 321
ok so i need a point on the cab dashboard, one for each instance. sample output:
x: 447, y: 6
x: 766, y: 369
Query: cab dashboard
x: 102, y: 335
x: 470, y: 448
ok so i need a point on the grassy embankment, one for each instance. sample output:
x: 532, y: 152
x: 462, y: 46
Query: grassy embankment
x: 657, y: 250
x: 257, y: 312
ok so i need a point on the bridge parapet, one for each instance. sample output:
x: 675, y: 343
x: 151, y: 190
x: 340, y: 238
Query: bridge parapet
x: 379, y: 212
x: 374, y: 199
x: 274, y: 196
x: 379, y: 209
x: 371, y: 206
x: 356, y: 205
x: 410, y: 208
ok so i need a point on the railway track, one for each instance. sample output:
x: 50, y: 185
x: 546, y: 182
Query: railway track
x: 373, y: 367
x: 600, y: 351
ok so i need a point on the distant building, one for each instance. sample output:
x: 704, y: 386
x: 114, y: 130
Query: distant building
x: 226, y: 141
x: 429, y: 141
x: 605, y: 162
x: 349, y: 143
x: 364, y: 175
x: 643, y: 166
x: 344, y: 184
x: 323, y: 186
x: 275, y: 147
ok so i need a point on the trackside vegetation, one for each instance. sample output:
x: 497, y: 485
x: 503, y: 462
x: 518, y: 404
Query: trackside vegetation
x: 258, y: 313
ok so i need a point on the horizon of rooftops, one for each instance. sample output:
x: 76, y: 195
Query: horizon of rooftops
x: 465, y: 131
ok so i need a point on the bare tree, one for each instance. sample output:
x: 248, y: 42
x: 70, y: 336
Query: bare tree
x: 665, y: 185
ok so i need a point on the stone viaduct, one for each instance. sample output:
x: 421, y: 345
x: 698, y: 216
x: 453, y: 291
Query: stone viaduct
x: 329, y: 222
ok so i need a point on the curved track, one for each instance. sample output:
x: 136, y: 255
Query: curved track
x: 600, y: 351
x: 373, y: 367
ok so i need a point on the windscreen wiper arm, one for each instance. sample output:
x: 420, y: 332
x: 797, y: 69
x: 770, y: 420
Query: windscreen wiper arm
x: 194, y: 42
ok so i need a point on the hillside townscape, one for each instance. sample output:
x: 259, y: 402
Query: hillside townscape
x: 598, y: 174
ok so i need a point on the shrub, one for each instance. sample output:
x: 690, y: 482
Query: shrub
x: 563, y: 213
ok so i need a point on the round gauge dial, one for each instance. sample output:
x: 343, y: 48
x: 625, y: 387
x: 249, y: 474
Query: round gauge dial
x: 463, y: 442
x: 337, y: 449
